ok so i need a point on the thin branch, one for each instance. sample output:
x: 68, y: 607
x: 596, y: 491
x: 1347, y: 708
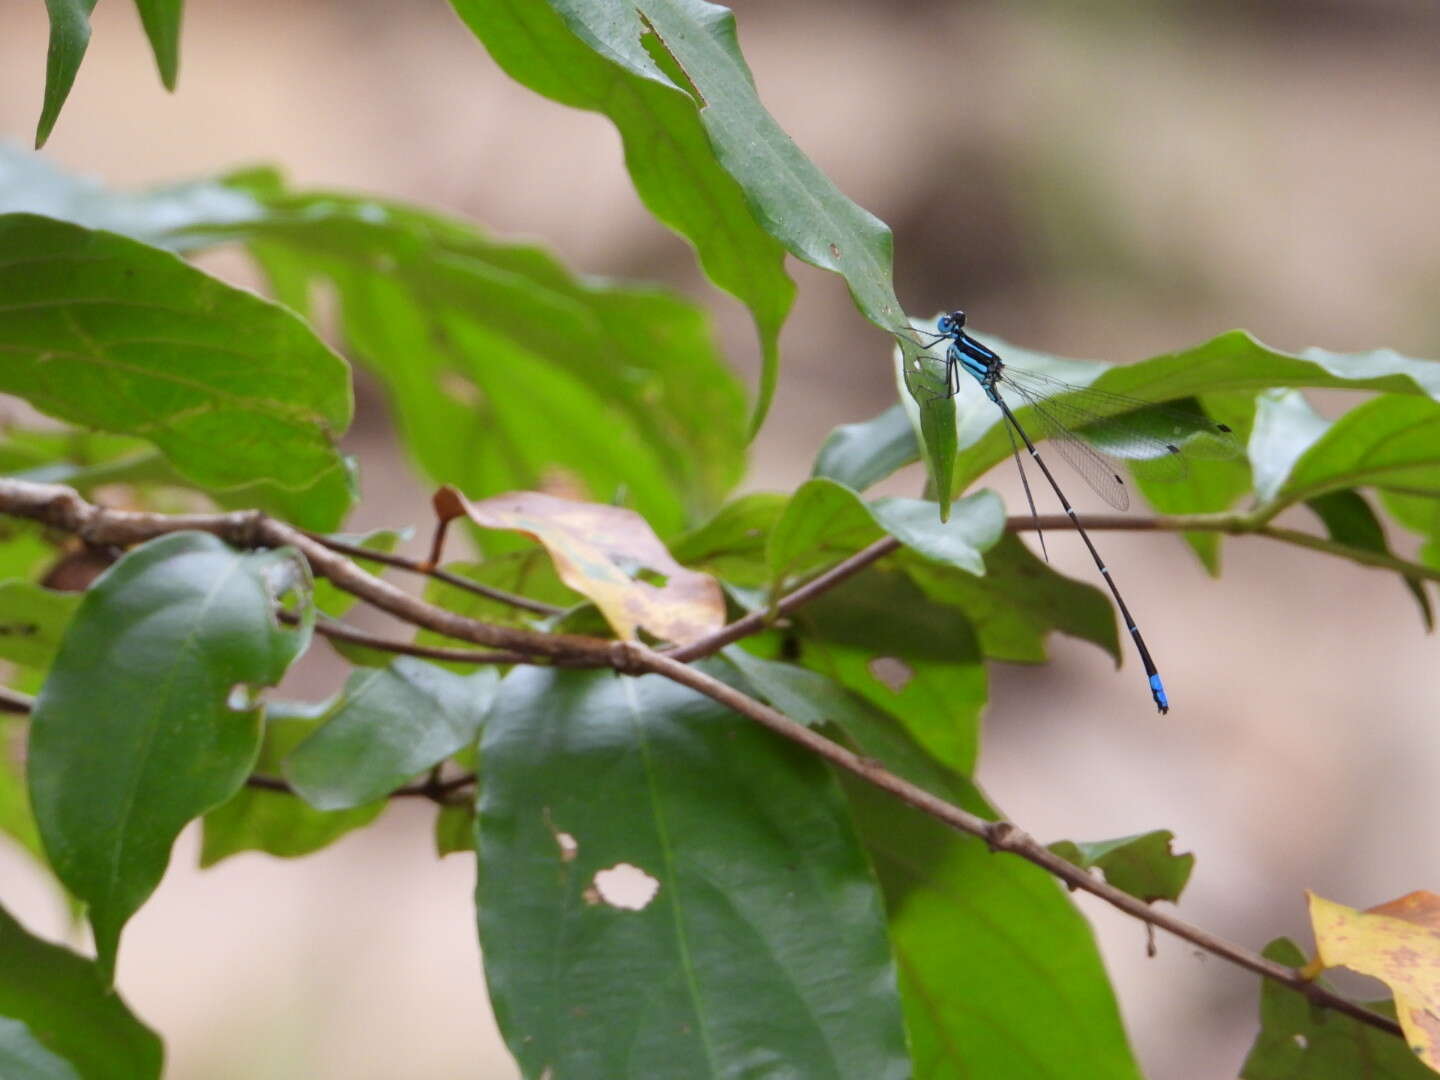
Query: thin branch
x: 1000, y: 835
x: 13, y: 701
x: 438, y: 791
x: 758, y: 620
x: 415, y: 566
x: 342, y: 632
x: 63, y: 508
x: 1234, y: 525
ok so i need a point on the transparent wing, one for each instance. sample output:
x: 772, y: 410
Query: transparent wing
x: 1102, y: 472
x: 1126, y: 427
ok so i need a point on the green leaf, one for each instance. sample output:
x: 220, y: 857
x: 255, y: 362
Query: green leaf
x: 1391, y: 442
x: 823, y: 522
x: 1232, y: 362
x: 998, y: 971
x: 1349, y: 520
x: 69, y: 1008
x: 732, y: 544
x: 763, y: 949
x: 24, y: 1058
x: 1143, y: 866
x: 17, y: 821
x: 30, y: 184
x: 666, y: 150
x: 925, y: 395
x: 108, y: 333
x: 1420, y: 514
x: 489, y: 354
x: 69, y: 37
x: 134, y: 734
x: 389, y: 724
x: 1300, y: 1042
x: 32, y: 620
x: 1285, y: 427
x: 454, y: 830
x: 277, y: 822
x: 975, y: 524
x: 917, y: 660
x: 858, y: 455
x: 162, y: 27
x: 1019, y: 601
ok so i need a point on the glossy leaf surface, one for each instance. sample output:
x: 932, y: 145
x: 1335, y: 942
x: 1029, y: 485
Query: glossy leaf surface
x: 763, y: 945
x: 389, y: 724
x: 134, y: 734
x: 277, y: 822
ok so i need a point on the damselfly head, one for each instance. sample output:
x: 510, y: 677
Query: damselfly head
x: 950, y: 324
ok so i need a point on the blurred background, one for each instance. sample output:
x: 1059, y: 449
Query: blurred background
x: 1106, y: 183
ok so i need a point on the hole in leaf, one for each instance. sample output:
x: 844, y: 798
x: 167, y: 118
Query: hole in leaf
x: 241, y: 698
x: 894, y: 674
x: 1301, y: 1041
x: 622, y: 886
x: 568, y: 845
x: 638, y: 571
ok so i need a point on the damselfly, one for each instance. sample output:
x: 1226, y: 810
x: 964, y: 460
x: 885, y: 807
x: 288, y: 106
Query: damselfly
x: 1090, y: 429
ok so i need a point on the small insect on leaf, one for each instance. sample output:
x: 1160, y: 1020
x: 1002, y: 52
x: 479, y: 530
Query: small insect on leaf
x: 608, y: 554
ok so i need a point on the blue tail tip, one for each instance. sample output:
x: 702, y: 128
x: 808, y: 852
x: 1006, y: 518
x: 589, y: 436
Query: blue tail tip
x: 1157, y: 688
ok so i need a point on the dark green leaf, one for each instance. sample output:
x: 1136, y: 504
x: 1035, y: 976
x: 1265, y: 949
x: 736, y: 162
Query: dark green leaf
x: 916, y: 660
x: 135, y: 733
x: 390, y: 724
x: 23, y: 1058
x: 69, y: 1008
x: 162, y: 27
x: 763, y: 950
x: 858, y: 455
x: 807, y: 697
x: 69, y: 37
x: 108, y: 333
x: 277, y: 822
x: 1297, y: 1041
x: 32, y: 620
x: 666, y: 150
x: 1143, y: 866
x: 1018, y: 602
x: 1349, y: 520
x: 998, y: 971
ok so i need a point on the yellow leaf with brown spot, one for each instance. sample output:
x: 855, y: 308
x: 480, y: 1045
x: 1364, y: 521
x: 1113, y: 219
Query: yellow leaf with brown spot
x: 609, y: 554
x: 1397, y: 943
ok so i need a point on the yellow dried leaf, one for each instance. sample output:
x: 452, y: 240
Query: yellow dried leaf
x: 1397, y: 943
x: 606, y: 553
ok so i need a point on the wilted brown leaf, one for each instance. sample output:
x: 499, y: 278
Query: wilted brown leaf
x: 1398, y: 943
x: 608, y: 554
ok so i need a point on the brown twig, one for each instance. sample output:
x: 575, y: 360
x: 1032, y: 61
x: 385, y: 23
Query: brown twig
x: 999, y: 835
x: 63, y: 508
x: 415, y: 566
x: 435, y: 789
